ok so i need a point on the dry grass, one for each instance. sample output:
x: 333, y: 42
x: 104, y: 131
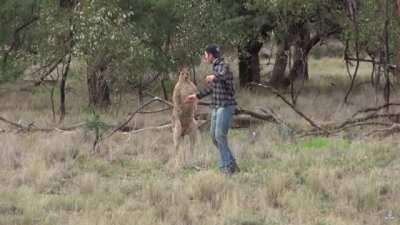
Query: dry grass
x: 52, y: 178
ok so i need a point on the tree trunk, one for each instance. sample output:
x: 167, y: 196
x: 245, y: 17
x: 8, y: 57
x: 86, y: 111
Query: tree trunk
x: 299, y: 69
x: 398, y: 47
x: 278, y: 78
x: 249, y: 63
x: 163, y: 86
x: 62, y: 87
x: 67, y: 3
x: 397, y: 74
x: 99, y: 91
x: 303, y: 46
x: 138, y: 119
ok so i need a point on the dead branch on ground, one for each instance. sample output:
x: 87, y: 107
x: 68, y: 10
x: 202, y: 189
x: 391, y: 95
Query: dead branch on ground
x: 32, y: 128
x: 394, y: 128
x: 374, y: 118
x: 375, y: 109
x: 130, y: 117
x: 294, y: 108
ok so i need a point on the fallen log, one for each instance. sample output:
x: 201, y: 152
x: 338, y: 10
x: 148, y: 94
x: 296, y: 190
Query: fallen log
x: 260, y: 116
x: 239, y: 110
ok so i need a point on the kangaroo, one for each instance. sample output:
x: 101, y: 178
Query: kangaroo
x: 183, y: 114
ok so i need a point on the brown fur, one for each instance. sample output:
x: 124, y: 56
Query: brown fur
x: 183, y: 113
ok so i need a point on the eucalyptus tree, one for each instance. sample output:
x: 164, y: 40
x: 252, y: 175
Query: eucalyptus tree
x: 302, y: 25
x: 17, y: 21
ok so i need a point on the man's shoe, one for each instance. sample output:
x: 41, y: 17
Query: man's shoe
x: 227, y: 171
x: 234, y: 168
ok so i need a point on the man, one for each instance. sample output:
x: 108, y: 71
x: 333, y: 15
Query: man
x: 223, y: 105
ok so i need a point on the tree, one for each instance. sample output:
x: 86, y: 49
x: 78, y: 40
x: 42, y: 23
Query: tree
x: 99, y: 37
x: 17, y: 19
x: 302, y: 25
x: 244, y: 26
x: 124, y: 40
x: 258, y: 25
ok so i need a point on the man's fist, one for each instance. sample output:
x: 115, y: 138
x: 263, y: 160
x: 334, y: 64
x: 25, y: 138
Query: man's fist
x: 210, y: 78
x: 191, y: 99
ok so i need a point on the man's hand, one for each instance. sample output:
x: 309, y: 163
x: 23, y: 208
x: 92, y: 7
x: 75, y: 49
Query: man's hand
x: 210, y: 78
x: 191, y: 98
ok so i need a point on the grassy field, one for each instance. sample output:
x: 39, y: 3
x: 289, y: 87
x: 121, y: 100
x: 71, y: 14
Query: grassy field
x: 53, y: 178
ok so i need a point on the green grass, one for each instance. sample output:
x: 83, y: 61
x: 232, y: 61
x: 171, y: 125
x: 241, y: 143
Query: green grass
x: 322, y: 143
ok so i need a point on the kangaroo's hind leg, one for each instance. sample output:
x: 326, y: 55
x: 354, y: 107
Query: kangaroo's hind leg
x: 194, y: 137
x: 178, y: 138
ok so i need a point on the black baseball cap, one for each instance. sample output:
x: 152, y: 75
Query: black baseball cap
x: 214, y: 50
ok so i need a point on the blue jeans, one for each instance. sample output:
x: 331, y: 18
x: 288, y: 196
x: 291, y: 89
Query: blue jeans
x: 221, y: 119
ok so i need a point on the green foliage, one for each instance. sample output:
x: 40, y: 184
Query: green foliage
x: 11, y: 70
x: 169, y: 86
x: 372, y: 16
x: 141, y: 37
x: 95, y: 124
x: 14, y: 14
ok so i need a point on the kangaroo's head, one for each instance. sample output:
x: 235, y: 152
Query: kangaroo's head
x: 184, y: 74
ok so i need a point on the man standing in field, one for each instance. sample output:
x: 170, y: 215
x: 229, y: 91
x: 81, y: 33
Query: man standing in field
x: 223, y: 105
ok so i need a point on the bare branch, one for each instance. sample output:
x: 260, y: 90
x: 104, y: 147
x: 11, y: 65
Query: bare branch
x: 15, y: 35
x: 132, y: 114
x: 32, y: 128
x: 367, y: 118
x: 391, y: 66
x: 155, y: 111
x: 272, y: 90
x: 375, y: 109
x: 394, y: 128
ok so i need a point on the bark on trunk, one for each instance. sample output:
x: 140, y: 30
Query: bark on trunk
x: 249, y: 63
x: 62, y: 88
x: 299, y: 69
x: 99, y: 91
x: 397, y: 74
x: 303, y: 46
x: 278, y: 78
x: 67, y: 3
x: 164, y: 86
x: 138, y: 119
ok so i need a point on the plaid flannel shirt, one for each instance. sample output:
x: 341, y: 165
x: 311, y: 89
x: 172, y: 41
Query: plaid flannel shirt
x: 223, y: 87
